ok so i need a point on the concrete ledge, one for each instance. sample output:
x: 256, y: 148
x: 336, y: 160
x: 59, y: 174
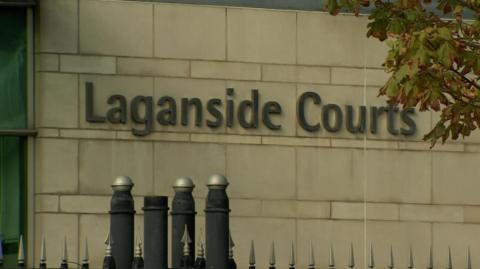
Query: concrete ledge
x: 294, y: 73
x: 227, y: 139
x: 84, y: 204
x: 373, y: 211
x: 425, y: 146
x: 46, y: 203
x: 153, y: 67
x: 244, y: 207
x: 225, y: 70
x: 471, y: 214
x: 359, y: 76
x: 296, y: 209
x: 295, y: 141
x: 87, y: 134
x: 155, y: 136
x: 48, y: 132
x: 431, y: 213
x: 87, y: 64
x: 47, y: 62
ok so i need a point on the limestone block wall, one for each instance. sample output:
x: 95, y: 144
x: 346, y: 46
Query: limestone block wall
x: 285, y: 185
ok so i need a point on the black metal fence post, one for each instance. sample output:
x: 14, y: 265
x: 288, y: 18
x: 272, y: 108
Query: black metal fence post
x: 156, y: 232
x: 183, y: 214
x: 122, y: 213
x: 217, y: 223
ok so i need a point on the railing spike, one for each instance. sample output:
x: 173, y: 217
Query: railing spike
x: 291, y: 261
x: 351, y: 261
x: 43, y: 253
x: 410, y: 258
x: 251, y: 260
x: 138, y: 262
x: 65, y: 250
x: 231, y: 261
x: 371, y: 259
x: 186, y: 241
x: 430, y: 258
x: 201, y: 248
x: 21, y: 253
x: 200, y: 261
x: 86, y: 257
x: 331, y: 261
x: 311, y: 261
x: 391, y: 262
x: 231, y: 245
x: 469, y: 259
x: 108, y: 260
x: 64, y: 259
x: 108, y: 247
x: 272, y: 259
x: 138, y: 250
x: 449, y: 263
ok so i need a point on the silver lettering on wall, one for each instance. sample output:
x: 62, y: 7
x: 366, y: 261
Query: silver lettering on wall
x: 248, y: 113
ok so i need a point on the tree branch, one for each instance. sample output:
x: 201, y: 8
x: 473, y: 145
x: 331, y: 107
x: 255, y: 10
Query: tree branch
x: 464, y: 78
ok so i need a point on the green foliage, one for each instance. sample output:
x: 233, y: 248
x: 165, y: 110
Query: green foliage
x: 434, y: 62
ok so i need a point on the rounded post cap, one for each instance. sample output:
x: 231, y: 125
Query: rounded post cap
x: 183, y: 184
x: 217, y: 181
x: 122, y: 183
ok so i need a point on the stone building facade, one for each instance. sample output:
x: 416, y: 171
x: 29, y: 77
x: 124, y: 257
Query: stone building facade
x: 287, y: 184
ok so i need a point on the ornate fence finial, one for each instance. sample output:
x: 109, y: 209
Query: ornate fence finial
x: 351, y: 260
x: 21, y: 254
x: 291, y: 262
x: 251, y: 260
x: 331, y: 260
x: 371, y: 258
x: 201, y: 247
x: 272, y: 259
x: 187, y: 262
x: 43, y: 254
x: 391, y: 262
x: 231, y: 245
x: 86, y: 258
x: 311, y: 259
x: 200, y: 261
x: 410, y: 258
x: 138, y: 262
x: 449, y: 263
x: 108, y: 260
x: 64, y: 259
x: 186, y: 241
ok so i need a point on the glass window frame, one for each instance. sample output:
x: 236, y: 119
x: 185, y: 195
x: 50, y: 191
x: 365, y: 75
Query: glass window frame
x: 28, y: 133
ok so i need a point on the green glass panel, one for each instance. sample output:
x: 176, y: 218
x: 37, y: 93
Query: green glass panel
x: 13, y: 52
x: 12, y: 204
x: 13, y: 115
